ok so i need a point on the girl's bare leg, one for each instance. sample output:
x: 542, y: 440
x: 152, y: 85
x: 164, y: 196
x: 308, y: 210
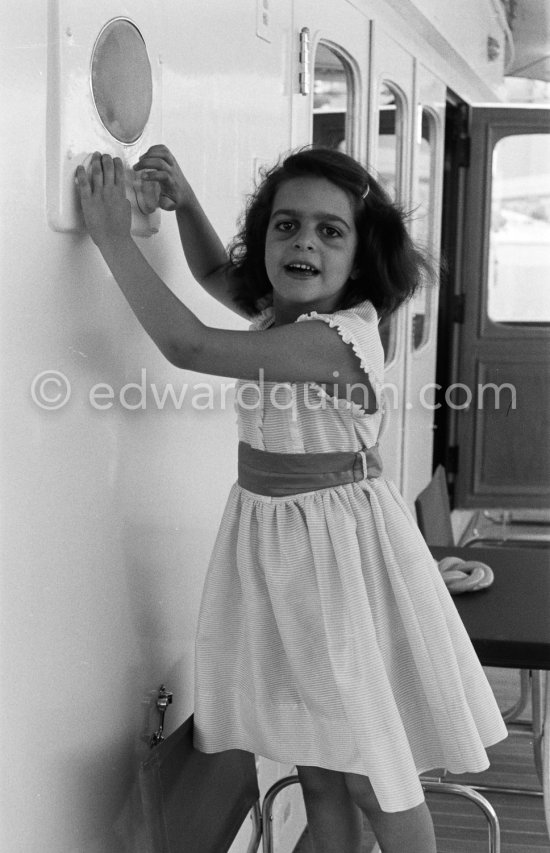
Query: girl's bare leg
x: 334, y: 821
x: 411, y: 830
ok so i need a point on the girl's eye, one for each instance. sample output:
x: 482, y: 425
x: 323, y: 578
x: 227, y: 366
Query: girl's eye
x: 329, y: 231
x: 284, y: 226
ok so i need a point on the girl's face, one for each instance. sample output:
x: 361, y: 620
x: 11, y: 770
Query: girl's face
x: 310, y: 246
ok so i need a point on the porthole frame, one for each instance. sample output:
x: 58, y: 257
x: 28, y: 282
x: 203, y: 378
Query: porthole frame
x: 106, y: 26
x: 74, y: 129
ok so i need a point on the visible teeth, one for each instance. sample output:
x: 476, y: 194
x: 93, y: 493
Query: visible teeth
x: 306, y: 267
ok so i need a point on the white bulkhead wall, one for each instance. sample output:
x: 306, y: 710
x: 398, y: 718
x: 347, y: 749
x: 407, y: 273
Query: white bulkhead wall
x: 109, y: 514
x: 478, y: 31
x: 471, y: 36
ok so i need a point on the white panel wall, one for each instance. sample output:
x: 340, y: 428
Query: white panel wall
x: 109, y: 516
x: 468, y: 25
x: 450, y: 36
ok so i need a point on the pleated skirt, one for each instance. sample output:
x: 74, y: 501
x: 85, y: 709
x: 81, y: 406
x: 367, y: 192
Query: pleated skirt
x: 327, y: 638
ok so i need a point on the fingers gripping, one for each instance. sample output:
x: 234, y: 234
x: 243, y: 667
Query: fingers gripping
x: 104, y: 171
x: 119, y: 172
x: 153, y: 170
x: 110, y: 193
x: 102, y: 191
x: 113, y: 171
x: 159, y: 165
x: 108, y: 170
x: 161, y: 152
x: 83, y: 183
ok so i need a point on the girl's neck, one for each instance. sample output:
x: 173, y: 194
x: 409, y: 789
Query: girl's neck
x: 288, y: 312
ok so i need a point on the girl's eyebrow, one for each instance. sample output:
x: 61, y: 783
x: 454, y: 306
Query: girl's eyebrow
x: 320, y: 215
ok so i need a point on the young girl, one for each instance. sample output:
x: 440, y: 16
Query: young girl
x: 326, y: 638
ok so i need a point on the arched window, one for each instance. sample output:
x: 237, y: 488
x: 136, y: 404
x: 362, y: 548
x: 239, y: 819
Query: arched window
x: 389, y: 164
x: 333, y: 99
x: 424, y: 221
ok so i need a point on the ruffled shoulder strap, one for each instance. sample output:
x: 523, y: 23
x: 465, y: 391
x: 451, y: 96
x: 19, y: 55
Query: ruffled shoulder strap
x: 358, y: 326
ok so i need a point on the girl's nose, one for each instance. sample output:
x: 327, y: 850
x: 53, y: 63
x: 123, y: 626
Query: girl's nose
x: 304, y: 241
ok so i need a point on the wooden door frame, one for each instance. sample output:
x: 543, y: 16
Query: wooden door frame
x: 449, y: 309
x: 462, y: 210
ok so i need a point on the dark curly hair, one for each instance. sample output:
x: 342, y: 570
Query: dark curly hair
x: 391, y: 267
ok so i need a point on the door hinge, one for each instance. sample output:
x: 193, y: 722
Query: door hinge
x: 304, y: 75
x: 458, y: 308
x: 452, y: 459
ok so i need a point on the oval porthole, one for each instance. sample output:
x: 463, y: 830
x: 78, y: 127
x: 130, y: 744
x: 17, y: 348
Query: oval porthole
x: 122, y: 84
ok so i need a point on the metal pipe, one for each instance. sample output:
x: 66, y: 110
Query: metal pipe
x: 267, y: 816
x: 476, y: 798
x: 510, y: 714
x: 256, y: 816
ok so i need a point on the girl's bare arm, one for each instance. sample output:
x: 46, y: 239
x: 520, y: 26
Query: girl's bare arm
x: 297, y: 352
x: 203, y: 249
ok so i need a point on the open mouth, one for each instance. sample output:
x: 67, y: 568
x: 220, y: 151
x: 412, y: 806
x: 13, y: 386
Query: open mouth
x: 302, y: 270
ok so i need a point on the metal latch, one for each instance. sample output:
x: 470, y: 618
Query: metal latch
x: 163, y: 700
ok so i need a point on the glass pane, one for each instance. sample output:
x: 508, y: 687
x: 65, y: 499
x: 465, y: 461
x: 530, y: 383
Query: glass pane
x: 390, y: 127
x: 122, y: 84
x: 388, y: 163
x: 423, y: 222
x: 519, y: 248
x: 331, y: 99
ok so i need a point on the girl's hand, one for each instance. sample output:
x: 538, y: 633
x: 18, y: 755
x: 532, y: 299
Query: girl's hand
x: 107, y: 211
x: 161, y: 166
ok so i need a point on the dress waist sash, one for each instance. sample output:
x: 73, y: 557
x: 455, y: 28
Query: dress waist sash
x: 280, y: 474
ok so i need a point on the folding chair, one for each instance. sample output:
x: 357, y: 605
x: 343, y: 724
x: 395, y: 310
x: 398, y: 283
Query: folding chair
x: 433, y: 511
x: 433, y: 514
x: 431, y: 786
x: 196, y: 803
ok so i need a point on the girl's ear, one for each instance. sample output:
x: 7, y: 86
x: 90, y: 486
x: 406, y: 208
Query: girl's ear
x: 355, y: 273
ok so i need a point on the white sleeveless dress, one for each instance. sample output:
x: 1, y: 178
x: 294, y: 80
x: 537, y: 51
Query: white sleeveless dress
x: 326, y: 635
